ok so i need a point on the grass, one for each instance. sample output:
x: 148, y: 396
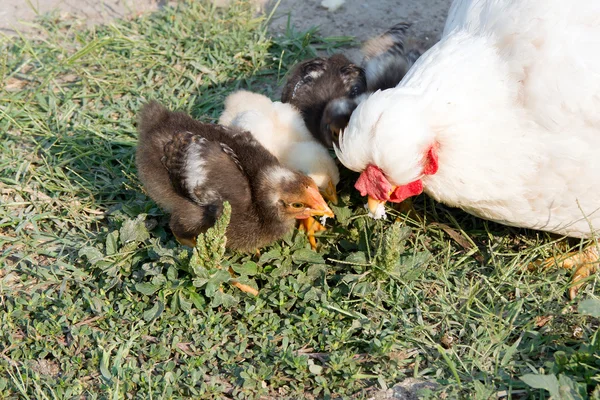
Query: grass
x: 98, y: 301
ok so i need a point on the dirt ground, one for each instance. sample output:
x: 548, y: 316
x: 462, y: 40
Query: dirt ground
x: 364, y: 19
x: 15, y: 14
x: 359, y: 18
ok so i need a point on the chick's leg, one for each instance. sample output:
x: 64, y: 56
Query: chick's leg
x: 584, y: 263
x: 311, y: 225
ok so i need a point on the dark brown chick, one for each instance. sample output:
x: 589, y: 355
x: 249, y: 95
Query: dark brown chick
x: 327, y: 91
x: 314, y: 83
x: 190, y: 168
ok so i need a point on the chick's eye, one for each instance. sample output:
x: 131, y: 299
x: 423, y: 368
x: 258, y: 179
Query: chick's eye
x: 354, y: 91
x: 297, y: 205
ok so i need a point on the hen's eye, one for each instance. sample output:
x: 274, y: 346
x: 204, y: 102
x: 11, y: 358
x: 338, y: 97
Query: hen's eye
x: 354, y: 91
x: 297, y: 205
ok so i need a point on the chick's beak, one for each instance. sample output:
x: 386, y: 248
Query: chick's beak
x: 316, y: 205
x: 329, y: 193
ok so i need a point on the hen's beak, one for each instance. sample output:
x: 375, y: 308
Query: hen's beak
x: 329, y: 193
x: 316, y: 205
x: 373, y: 204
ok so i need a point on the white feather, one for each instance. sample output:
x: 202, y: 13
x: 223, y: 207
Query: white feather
x: 314, y: 160
x: 195, y: 174
x: 511, y: 94
x: 279, y: 127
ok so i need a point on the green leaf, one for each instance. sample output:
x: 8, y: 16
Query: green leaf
x: 316, y: 272
x: 285, y: 269
x: 223, y: 299
x: 269, y: 256
x: 154, y: 312
x: 111, y: 243
x: 509, y: 353
x: 311, y: 295
x: 104, y: 362
x: 590, y: 307
x: 547, y: 382
x: 159, y: 280
x: 201, y: 273
x: 92, y: 254
x: 185, y: 304
x: 307, y: 256
x: 351, y: 278
x: 197, y: 299
x: 358, y: 257
x: 146, y: 288
x: 412, y: 266
x: 172, y: 273
x: 215, y: 282
x: 416, y: 260
x: 362, y: 288
x: 134, y: 230
x: 199, y: 282
x: 410, y: 274
x: 248, y: 268
x: 174, y: 305
x: 342, y: 214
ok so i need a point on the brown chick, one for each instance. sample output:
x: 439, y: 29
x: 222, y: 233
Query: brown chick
x: 190, y: 168
x: 314, y: 83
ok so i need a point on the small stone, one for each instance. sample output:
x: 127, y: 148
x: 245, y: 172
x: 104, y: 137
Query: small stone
x: 332, y: 5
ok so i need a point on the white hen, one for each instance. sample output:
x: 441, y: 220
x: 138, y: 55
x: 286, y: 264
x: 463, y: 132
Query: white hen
x: 500, y: 118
